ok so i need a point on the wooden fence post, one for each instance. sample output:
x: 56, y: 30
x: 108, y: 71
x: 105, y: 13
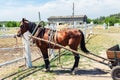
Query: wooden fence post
x: 26, y: 43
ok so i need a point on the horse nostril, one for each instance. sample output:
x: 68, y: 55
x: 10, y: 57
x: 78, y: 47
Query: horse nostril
x: 18, y: 35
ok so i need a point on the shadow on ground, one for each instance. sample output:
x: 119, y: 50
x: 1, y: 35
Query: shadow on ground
x: 23, y: 73
x: 95, y: 71
x: 27, y: 72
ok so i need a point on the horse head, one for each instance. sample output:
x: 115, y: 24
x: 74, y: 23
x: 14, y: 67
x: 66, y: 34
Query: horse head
x: 25, y: 26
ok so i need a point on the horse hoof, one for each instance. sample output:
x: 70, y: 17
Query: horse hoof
x: 46, y: 70
x: 73, y: 72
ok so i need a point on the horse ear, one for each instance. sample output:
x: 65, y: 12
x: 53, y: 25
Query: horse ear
x: 23, y: 19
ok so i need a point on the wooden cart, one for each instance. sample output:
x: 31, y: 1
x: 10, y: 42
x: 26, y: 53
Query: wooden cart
x: 113, y: 55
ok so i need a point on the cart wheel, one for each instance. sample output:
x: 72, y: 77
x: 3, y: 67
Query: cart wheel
x: 115, y: 73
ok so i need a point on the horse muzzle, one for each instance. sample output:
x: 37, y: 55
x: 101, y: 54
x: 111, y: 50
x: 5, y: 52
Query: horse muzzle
x: 19, y: 35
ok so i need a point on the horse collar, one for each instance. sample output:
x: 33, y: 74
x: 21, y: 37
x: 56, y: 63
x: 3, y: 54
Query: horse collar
x: 41, y: 32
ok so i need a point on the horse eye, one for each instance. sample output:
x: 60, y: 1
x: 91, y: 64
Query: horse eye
x: 21, y: 26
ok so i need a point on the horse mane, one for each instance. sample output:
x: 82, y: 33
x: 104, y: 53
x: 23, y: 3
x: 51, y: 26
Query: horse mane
x: 32, y: 26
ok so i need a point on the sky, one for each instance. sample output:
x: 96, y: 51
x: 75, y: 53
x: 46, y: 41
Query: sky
x: 15, y: 10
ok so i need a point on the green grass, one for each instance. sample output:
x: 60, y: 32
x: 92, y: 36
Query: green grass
x: 68, y: 56
x: 103, y: 39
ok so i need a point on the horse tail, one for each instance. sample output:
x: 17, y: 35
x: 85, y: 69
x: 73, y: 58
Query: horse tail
x: 82, y: 44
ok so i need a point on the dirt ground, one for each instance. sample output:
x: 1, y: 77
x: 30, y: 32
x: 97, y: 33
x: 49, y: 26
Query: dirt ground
x: 87, y: 70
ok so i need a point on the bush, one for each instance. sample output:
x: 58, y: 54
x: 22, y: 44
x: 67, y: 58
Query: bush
x: 0, y: 25
x: 88, y: 20
x: 112, y: 19
x: 12, y: 24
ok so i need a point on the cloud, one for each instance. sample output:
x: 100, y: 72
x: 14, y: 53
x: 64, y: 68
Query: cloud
x: 16, y: 10
x: 96, y: 8
x: 92, y: 9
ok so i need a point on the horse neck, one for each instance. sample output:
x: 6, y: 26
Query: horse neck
x: 40, y: 32
x: 31, y: 26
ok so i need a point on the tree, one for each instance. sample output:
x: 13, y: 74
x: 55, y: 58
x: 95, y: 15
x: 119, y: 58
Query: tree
x: 11, y: 24
x: 111, y: 20
x: 0, y: 25
x: 101, y: 18
x: 95, y: 21
x: 88, y: 20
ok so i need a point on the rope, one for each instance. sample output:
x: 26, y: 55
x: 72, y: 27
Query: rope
x: 16, y: 38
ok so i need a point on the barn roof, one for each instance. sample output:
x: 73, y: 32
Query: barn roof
x: 76, y: 16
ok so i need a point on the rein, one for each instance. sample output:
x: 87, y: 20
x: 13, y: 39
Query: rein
x: 16, y: 40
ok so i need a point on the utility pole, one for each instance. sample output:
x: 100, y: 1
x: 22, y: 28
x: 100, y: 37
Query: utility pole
x: 73, y: 15
x: 39, y: 16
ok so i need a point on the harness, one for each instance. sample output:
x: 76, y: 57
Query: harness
x: 39, y: 31
x: 52, y: 35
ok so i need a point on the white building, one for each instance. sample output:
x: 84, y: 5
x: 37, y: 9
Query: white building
x: 77, y: 19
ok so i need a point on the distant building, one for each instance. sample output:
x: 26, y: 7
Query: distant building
x: 77, y: 19
x: 117, y: 24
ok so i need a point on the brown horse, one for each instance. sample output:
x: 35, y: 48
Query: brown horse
x: 67, y: 37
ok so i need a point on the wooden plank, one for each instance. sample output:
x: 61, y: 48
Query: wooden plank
x: 12, y: 61
x: 113, y: 52
x: 7, y: 36
x: 102, y: 61
x: 20, y: 47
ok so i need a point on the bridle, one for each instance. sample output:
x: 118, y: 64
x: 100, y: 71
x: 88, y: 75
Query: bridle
x: 22, y: 34
x: 31, y: 27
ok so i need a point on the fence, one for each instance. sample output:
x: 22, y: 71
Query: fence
x: 26, y: 43
x: 84, y: 27
x: 26, y: 48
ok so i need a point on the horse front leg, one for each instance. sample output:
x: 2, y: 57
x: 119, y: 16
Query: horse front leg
x: 46, y: 59
x: 76, y: 63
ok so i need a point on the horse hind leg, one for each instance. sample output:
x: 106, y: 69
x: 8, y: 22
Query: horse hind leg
x: 76, y: 63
